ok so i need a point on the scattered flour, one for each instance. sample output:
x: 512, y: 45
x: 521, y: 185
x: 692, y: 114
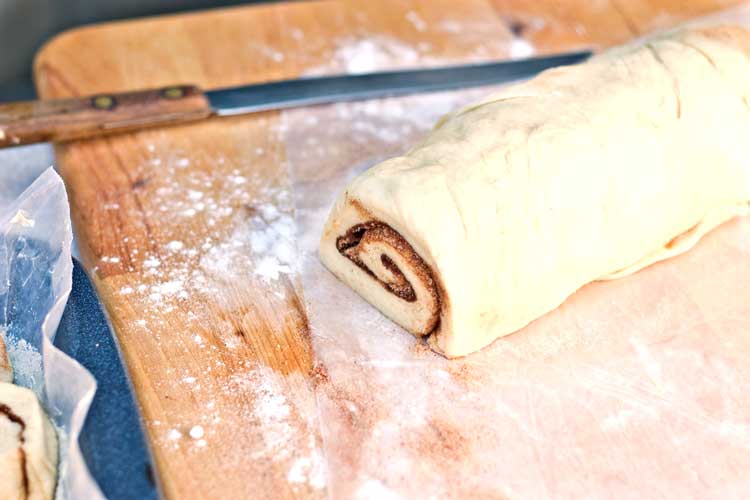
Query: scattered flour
x: 282, y: 437
x: 372, y: 488
x: 451, y: 26
x: 26, y: 362
x: 308, y: 470
x: 272, y: 411
x: 416, y: 20
x: 260, y: 243
x: 226, y: 230
x: 378, y: 53
x: 365, y: 55
x: 617, y: 421
x: 520, y: 49
x: 737, y: 430
x: 152, y: 262
x: 268, y: 52
x: 175, y: 246
x: 262, y: 246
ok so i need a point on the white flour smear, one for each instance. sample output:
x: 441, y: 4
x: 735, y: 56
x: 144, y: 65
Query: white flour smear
x: 202, y: 283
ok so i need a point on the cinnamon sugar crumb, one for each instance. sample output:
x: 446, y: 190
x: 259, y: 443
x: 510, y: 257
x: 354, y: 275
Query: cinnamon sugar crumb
x: 319, y: 375
x: 441, y: 441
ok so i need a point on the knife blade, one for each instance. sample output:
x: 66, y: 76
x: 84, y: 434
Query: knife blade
x: 93, y: 116
x: 327, y: 89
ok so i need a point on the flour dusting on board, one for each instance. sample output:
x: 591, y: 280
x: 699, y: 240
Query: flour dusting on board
x: 364, y: 55
x: 261, y: 403
x: 213, y: 273
x: 274, y: 413
x: 263, y: 230
x: 520, y: 49
x: 380, y: 53
x: 416, y: 20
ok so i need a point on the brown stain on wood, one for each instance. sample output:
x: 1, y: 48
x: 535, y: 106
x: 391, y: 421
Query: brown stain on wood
x: 138, y: 184
x: 517, y: 27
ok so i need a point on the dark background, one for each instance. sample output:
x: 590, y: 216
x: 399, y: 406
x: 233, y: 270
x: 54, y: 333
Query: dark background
x: 26, y: 24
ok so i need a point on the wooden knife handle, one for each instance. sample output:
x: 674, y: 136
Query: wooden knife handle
x: 66, y: 119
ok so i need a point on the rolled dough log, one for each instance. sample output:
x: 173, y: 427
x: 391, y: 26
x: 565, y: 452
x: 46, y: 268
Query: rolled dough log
x: 28, y: 446
x: 584, y: 173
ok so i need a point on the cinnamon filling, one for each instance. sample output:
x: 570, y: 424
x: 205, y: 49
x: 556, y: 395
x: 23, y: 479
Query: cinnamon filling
x: 5, y: 410
x: 353, y: 242
x: 401, y: 286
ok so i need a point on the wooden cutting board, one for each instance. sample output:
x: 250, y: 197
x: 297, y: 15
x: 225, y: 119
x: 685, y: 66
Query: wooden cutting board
x: 188, y: 231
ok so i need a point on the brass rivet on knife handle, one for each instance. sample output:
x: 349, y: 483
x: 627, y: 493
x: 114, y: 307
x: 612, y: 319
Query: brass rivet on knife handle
x: 173, y: 92
x: 104, y: 102
x: 86, y: 117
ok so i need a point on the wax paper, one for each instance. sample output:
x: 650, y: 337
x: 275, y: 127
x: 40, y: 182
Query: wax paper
x: 633, y: 388
x: 35, y: 280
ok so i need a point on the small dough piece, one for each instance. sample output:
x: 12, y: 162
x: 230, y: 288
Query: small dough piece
x: 583, y: 173
x: 28, y: 447
x: 6, y: 371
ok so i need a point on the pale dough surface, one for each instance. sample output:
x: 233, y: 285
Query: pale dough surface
x: 583, y: 173
x: 29, y: 451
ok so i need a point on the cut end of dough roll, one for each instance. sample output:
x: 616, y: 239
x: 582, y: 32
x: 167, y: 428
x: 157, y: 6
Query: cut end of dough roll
x: 377, y: 262
x: 28, y: 446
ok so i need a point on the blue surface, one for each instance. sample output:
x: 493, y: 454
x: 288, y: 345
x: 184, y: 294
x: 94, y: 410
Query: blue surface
x: 112, y: 439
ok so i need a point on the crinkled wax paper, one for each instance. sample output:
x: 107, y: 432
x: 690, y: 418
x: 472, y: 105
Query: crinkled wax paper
x: 35, y: 280
x: 633, y: 388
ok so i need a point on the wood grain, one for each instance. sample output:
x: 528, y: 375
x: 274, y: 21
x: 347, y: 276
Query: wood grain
x: 104, y: 114
x: 175, y: 224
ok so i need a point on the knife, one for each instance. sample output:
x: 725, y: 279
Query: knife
x: 86, y: 117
